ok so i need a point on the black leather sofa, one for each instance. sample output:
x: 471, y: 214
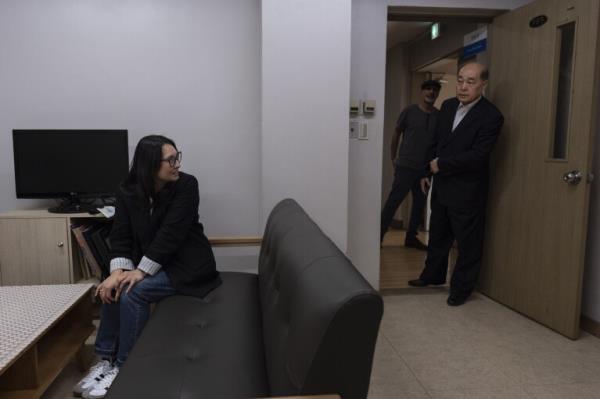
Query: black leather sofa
x: 306, y: 324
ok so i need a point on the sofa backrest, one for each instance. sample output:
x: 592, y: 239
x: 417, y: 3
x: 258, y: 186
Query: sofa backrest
x: 320, y: 316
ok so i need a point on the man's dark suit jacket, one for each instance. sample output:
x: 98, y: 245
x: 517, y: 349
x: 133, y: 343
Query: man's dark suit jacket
x: 170, y: 235
x: 463, y: 154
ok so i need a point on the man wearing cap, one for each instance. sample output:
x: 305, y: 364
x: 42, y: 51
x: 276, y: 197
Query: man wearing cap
x: 467, y: 129
x: 416, y: 124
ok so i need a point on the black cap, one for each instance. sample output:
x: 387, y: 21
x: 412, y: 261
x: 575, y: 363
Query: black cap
x: 431, y: 83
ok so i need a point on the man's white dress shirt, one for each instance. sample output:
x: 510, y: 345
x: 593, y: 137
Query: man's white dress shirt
x: 462, y: 111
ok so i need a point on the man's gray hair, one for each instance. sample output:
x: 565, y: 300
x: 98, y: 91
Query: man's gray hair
x: 485, y: 72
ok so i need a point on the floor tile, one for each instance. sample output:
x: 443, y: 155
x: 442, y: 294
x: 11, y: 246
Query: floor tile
x: 502, y: 393
x: 483, y: 345
x: 575, y: 391
x: 390, y: 372
x: 396, y: 392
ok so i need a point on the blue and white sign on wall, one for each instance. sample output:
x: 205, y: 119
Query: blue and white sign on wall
x: 475, y: 42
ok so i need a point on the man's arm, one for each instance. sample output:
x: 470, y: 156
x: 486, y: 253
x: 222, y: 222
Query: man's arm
x: 395, y: 141
x: 437, y: 134
x: 400, y: 127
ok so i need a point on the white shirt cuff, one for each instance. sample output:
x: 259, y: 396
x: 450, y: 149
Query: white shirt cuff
x: 149, y: 266
x: 121, y: 263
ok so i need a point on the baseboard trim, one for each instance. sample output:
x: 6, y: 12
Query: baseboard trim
x: 589, y: 325
x: 235, y: 241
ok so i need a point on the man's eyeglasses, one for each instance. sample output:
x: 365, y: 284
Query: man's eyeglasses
x: 173, y: 160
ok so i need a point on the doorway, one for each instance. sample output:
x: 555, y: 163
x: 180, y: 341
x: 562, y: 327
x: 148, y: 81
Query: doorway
x: 412, y: 58
x: 534, y: 257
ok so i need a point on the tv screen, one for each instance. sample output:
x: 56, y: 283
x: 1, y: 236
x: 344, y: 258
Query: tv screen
x: 69, y: 163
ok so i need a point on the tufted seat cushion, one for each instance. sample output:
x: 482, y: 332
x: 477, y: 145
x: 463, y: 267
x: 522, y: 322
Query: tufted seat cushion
x: 195, y: 348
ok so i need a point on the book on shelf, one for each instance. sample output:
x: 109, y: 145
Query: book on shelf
x: 98, y: 240
x: 91, y: 239
x: 87, y: 252
x: 79, y: 259
x: 87, y: 235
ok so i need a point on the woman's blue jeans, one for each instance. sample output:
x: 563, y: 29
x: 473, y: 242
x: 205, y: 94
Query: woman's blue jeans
x: 121, y: 322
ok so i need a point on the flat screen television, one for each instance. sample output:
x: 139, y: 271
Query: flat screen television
x: 77, y: 166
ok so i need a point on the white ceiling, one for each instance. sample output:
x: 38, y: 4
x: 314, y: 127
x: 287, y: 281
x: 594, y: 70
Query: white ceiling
x: 404, y: 31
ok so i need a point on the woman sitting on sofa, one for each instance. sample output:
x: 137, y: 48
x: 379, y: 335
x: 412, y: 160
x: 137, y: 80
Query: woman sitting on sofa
x: 158, y: 249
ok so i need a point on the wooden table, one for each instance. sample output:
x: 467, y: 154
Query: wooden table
x: 42, y: 327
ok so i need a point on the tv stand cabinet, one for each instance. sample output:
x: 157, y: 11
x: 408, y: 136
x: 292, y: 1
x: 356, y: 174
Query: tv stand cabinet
x: 37, y: 247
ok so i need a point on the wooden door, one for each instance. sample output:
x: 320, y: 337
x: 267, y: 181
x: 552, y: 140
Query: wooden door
x: 543, y: 79
x: 34, y: 251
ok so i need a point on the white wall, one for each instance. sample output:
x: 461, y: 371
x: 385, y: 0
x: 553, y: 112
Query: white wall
x: 305, y: 97
x: 369, y: 22
x: 369, y: 19
x: 187, y: 68
x: 237, y: 259
x: 397, y: 97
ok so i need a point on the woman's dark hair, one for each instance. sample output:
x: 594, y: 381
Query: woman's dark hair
x: 146, y: 163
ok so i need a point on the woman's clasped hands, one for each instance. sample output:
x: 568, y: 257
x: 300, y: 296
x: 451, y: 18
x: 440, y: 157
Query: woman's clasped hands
x: 110, y: 289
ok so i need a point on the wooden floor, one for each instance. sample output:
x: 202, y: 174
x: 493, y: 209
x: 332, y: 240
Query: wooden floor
x: 399, y: 263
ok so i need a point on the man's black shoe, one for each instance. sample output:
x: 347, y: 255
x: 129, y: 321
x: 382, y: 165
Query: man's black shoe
x: 417, y: 283
x: 456, y: 300
x: 421, y: 283
x: 413, y: 242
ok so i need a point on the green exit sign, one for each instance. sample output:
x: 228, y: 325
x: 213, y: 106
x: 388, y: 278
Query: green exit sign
x: 435, y: 31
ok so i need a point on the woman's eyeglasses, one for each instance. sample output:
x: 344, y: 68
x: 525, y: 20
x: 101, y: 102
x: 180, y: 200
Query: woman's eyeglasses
x: 173, y: 160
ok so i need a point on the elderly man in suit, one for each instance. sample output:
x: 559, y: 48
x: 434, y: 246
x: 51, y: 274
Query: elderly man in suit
x: 467, y: 128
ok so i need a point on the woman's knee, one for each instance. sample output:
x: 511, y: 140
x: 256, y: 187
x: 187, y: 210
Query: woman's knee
x: 134, y: 295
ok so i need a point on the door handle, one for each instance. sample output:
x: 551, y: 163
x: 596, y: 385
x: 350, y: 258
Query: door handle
x: 60, y: 244
x: 573, y: 177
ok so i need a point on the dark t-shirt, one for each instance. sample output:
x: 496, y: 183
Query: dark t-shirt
x: 417, y: 127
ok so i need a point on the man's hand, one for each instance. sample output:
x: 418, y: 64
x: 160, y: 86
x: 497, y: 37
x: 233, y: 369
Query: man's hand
x: 131, y: 278
x: 105, y: 289
x: 425, y: 184
x: 433, y: 166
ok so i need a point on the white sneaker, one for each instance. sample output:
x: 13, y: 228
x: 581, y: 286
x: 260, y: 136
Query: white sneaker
x: 92, y: 377
x: 101, y: 388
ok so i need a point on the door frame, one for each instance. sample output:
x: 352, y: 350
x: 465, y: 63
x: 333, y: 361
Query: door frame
x: 443, y: 14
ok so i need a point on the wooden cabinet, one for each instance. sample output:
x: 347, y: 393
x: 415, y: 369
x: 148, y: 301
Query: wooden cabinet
x: 37, y: 247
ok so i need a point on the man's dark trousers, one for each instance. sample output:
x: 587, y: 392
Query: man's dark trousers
x: 467, y: 227
x: 405, y: 180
